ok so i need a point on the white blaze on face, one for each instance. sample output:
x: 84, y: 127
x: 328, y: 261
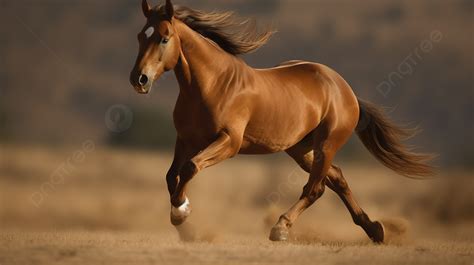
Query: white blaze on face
x: 149, y: 31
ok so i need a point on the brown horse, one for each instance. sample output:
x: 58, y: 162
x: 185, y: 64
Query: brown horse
x: 225, y: 108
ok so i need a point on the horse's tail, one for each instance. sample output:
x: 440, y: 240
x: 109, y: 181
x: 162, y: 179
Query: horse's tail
x: 383, y: 138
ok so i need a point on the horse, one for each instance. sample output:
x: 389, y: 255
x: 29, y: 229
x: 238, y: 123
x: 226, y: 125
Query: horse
x: 225, y: 108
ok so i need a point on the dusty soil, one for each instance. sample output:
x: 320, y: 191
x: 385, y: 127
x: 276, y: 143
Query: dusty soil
x: 131, y: 248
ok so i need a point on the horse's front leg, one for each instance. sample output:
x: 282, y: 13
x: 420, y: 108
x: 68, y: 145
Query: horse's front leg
x: 225, y: 146
x: 180, y: 155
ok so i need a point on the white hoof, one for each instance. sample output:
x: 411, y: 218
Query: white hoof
x: 182, y: 211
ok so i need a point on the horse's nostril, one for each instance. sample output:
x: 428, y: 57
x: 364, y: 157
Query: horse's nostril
x: 142, y: 80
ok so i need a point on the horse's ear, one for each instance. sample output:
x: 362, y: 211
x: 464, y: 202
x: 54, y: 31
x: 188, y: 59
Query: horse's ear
x: 169, y: 9
x: 146, y: 8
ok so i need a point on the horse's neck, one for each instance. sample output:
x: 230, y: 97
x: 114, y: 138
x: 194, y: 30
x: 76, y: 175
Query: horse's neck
x: 201, y: 61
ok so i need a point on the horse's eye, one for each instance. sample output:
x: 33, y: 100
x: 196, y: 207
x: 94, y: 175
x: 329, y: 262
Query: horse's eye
x: 164, y: 40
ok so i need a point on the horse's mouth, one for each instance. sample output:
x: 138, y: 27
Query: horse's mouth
x: 143, y: 89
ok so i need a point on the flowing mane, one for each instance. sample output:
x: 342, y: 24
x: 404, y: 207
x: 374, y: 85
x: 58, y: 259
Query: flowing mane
x: 234, y: 35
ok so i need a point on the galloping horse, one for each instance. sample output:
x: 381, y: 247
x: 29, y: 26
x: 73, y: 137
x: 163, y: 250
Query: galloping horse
x: 225, y: 108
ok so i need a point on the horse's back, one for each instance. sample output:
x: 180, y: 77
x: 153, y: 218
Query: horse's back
x: 317, y: 80
x: 329, y: 92
x: 327, y: 89
x: 291, y: 63
x: 295, y: 97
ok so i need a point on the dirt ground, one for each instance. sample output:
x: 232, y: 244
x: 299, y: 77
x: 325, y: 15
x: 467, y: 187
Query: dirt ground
x: 90, y: 205
x: 131, y: 248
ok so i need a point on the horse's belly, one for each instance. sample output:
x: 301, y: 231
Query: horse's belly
x: 251, y: 146
x: 272, y: 139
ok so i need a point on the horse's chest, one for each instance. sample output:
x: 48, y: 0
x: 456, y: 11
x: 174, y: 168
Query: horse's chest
x: 195, y: 123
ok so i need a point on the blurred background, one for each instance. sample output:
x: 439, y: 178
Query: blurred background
x: 79, y: 149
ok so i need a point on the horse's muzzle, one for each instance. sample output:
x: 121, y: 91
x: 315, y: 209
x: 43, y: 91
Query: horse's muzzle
x: 141, y: 82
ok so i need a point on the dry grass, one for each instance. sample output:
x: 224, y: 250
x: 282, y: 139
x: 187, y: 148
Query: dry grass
x: 112, y: 208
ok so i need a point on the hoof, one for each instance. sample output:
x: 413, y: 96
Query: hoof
x: 178, y: 215
x: 279, y: 233
x: 377, y: 232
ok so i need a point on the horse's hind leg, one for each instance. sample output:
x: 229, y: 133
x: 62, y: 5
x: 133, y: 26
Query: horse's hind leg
x: 303, y: 155
x: 326, y: 143
x: 336, y: 182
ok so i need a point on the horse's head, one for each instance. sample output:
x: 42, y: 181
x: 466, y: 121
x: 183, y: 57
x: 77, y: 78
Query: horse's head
x: 159, y: 47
